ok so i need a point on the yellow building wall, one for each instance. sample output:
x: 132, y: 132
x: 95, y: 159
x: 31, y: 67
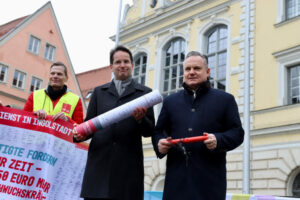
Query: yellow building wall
x: 286, y: 116
x: 148, y: 10
x: 150, y: 82
x: 149, y: 153
x: 133, y: 16
x: 134, y: 12
x: 235, y: 12
x: 272, y: 139
x: 270, y: 39
x: 235, y: 53
x: 152, y: 56
x: 193, y: 35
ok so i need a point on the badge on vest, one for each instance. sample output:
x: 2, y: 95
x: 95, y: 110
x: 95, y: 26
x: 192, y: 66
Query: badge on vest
x: 66, y: 108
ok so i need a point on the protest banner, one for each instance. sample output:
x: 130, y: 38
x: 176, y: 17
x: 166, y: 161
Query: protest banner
x: 38, y: 159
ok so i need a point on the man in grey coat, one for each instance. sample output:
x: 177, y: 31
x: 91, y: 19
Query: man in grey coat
x: 197, y: 171
x: 115, y: 164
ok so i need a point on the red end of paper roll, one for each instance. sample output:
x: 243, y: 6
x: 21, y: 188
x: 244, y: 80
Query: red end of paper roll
x: 86, y: 128
x: 80, y: 129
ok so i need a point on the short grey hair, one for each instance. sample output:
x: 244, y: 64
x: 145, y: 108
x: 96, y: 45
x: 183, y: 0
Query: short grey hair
x: 196, y: 53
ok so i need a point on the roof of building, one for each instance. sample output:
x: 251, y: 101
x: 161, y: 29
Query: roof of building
x: 12, y: 28
x: 5, y: 28
x: 90, y: 79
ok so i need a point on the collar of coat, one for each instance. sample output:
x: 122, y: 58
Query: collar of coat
x: 131, y: 88
x: 203, y: 88
x: 55, y: 94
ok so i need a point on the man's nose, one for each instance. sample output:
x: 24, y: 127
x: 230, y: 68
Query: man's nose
x: 192, y: 71
x: 122, y: 64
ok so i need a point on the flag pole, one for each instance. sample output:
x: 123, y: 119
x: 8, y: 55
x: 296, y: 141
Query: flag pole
x: 246, y: 115
x: 118, y: 23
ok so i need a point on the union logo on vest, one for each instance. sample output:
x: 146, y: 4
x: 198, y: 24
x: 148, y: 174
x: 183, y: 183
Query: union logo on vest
x: 66, y: 108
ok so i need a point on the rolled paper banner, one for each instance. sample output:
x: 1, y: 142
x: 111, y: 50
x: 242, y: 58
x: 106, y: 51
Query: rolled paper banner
x: 119, y: 113
x: 189, y: 139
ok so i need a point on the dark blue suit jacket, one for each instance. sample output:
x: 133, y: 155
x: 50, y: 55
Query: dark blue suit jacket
x: 201, y: 175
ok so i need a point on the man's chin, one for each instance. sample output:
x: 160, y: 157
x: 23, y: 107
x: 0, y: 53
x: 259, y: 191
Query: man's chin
x: 122, y: 77
x: 193, y: 84
x: 56, y: 86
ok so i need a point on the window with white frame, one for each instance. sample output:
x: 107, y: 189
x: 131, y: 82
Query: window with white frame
x: 19, y: 79
x: 287, y: 59
x: 34, y: 45
x: 49, y: 52
x: 292, y: 8
x: 172, y: 70
x: 35, y: 84
x: 217, y: 55
x: 294, y: 84
x: 3, y: 72
x: 139, y: 70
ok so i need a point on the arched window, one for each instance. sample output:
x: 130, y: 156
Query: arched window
x: 158, y: 183
x: 217, y: 55
x: 139, y: 70
x: 296, y: 186
x: 172, y: 70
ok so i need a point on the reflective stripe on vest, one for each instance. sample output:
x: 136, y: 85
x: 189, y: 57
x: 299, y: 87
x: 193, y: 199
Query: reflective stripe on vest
x: 66, y: 103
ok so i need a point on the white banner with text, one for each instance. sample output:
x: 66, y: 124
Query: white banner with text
x: 38, y: 159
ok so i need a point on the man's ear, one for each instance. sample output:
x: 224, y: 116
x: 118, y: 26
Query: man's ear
x: 208, y: 71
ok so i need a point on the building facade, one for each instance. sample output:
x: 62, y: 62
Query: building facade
x: 28, y: 47
x: 161, y: 32
x: 90, y: 79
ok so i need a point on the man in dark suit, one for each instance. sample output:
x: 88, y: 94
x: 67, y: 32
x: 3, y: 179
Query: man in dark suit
x: 197, y: 171
x: 115, y: 164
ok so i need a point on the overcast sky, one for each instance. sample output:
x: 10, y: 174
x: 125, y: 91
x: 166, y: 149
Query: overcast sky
x: 86, y: 26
